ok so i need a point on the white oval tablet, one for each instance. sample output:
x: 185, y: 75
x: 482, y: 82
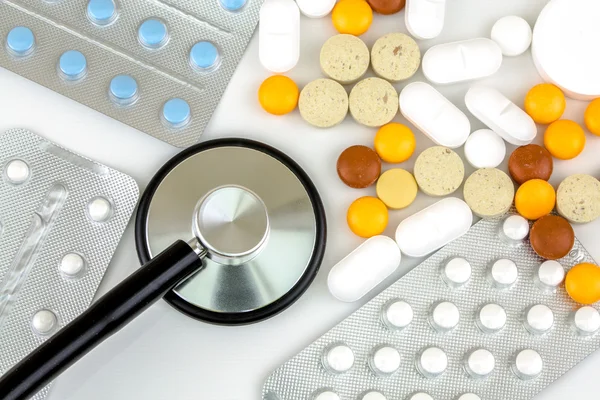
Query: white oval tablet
x: 338, y: 358
x: 501, y: 115
x: 99, y: 209
x: 364, y: 268
x: 586, y: 320
x: 491, y: 318
x: 515, y: 227
x: 434, y: 115
x: 315, y: 8
x: 397, y: 314
x: 485, y: 149
x: 17, y: 171
x: 504, y: 273
x: 434, y: 227
x: 44, y: 321
x: 385, y: 360
x: 424, y: 19
x: 462, y: 61
x: 279, y: 35
x: 513, y: 34
x: 432, y: 362
x: 444, y: 316
x: 528, y: 364
x: 456, y: 272
x: 571, y: 26
x: 71, y: 264
x: 480, y: 363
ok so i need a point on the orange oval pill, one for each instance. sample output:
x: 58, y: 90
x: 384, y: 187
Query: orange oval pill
x: 367, y: 217
x: 583, y: 283
x: 535, y: 198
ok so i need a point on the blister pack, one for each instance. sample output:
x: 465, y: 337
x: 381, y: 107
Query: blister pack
x: 481, y: 319
x: 61, y: 218
x: 160, y: 66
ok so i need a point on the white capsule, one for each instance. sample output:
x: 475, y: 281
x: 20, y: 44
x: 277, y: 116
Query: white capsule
x: 397, y: 314
x: 538, y: 319
x: 338, y: 358
x: 513, y: 34
x: 491, y: 318
x: 99, y: 209
x: 385, y: 360
x: 504, y: 273
x: 480, y: 363
x: 528, y: 364
x: 444, y: 316
x: 586, y: 320
x: 364, y: 268
x: 434, y: 115
x: 432, y: 362
x: 501, y: 115
x: 462, y: 61
x: 434, y: 227
x: 485, y: 149
x: 44, y: 322
x: 17, y: 171
x: 456, y: 272
x: 279, y: 35
x: 424, y: 19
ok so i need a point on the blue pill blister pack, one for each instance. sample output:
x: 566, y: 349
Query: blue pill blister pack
x: 160, y: 66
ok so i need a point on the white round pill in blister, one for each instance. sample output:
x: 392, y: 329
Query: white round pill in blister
x: 528, y: 364
x: 469, y: 396
x: 17, y: 171
x: 515, y: 227
x: 485, y: 149
x: 480, y: 363
x: 444, y: 316
x: 550, y: 274
x: 72, y: 264
x: 338, y: 358
x: 491, y: 318
x: 420, y: 396
x: 513, y: 34
x: 456, y: 272
x: 397, y: 314
x: 385, y: 360
x: 44, y: 322
x: 373, y: 395
x: 432, y: 362
x: 504, y: 273
x: 99, y: 209
x: 326, y: 395
x: 539, y: 319
x: 586, y: 320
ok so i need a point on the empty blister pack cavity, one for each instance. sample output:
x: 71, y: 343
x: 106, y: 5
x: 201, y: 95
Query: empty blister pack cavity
x: 61, y: 218
x: 477, y: 340
x: 160, y: 66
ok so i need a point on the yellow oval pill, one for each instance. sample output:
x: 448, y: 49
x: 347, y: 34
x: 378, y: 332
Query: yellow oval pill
x: 397, y: 188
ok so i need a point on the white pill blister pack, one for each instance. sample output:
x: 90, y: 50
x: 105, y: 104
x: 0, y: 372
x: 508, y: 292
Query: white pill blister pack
x: 61, y: 219
x: 160, y: 66
x: 478, y: 320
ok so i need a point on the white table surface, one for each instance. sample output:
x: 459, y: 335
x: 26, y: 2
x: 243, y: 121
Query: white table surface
x: 164, y: 355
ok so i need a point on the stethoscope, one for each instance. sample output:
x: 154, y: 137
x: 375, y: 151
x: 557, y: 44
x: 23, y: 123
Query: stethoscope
x: 230, y: 231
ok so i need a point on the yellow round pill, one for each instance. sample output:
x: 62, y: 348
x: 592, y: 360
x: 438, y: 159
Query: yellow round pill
x: 278, y: 95
x: 397, y: 188
x: 395, y: 143
x: 592, y: 117
x: 367, y: 216
x: 535, y: 198
x: 564, y: 139
x: 545, y: 103
x: 353, y: 17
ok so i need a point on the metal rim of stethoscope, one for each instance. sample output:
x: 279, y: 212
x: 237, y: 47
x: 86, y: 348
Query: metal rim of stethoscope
x: 246, y: 317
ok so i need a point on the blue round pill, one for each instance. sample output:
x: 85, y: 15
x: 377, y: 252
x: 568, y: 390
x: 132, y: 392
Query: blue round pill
x: 72, y: 65
x: 176, y: 112
x: 233, y: 5
x: 123, y: 89
x: 204, y: 56
x: 152, y: 33
x: 101, y: 12
x: 20, y: 41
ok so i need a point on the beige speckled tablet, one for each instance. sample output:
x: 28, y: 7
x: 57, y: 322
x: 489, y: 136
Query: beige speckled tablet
x: 439, y: 171
x: 578, y: 198
x: 373, y: 102
x: 395, y: 57
x: 344, y: 58
x: 323, y: 103
x: 489, y: 192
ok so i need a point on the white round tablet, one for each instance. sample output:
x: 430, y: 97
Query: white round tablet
x: 44, y: 322
x: 421, y: 396
x: 99, y: 209
x: 469, y: 396
x: 504, y: 273
x: 539, y: 319
x: 385, y: 360
x: 315, y: 8
x: 444, y: 316
x: 485, y: 149
x: 480, y: 363
x: 515, y: 227
x: 432, y: 362
x: 491, y: 318
x: 326, y: 395
x: 373, y: 395
x: 513, y: 34
x: 456, y: 272
x: 528, y: 364
x: 397, y: 314
x: 550, y: 274
x: 71, y: 264
x: 572, y: 27
x: 17, y: 171
x: 586, y: 320
x: 338, y: 358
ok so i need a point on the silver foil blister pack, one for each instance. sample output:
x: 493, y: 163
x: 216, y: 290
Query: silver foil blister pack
x: 61, y: 219
x: 308, y: 375
x: 109, y: 35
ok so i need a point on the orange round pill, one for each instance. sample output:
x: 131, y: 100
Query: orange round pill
x: 592, y: 117
x: 545, y: 103
x: 278, y: 95
x: 395, y: 143
x: 564, y: 139
x: 353, y: 17
x: 535, y: 198
x: 583, y: 283
x: 367, y: 216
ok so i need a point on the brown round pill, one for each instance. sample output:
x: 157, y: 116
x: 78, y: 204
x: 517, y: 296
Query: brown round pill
x: 530, y: 162
x: 387, y: 7
x: 552, y: 237
x: 359, y: 166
